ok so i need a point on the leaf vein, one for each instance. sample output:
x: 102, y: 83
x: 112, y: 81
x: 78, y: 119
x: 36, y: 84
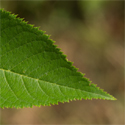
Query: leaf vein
x: 9, y: 86
x: 26, y: 88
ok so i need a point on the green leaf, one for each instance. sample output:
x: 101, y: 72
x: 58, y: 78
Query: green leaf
x: 34, y: 72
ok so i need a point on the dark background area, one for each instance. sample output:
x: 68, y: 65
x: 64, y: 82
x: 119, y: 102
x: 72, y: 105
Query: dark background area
x: 91, y: 34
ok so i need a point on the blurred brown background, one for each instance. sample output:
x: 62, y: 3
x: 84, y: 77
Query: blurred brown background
x: 91, y: 34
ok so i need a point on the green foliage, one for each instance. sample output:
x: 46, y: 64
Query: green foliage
x: 34, y: 72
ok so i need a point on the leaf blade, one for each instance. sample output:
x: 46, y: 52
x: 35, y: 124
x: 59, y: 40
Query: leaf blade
x: 34, y: 72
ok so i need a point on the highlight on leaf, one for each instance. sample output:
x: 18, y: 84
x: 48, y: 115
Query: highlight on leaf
x: 33, y: 71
